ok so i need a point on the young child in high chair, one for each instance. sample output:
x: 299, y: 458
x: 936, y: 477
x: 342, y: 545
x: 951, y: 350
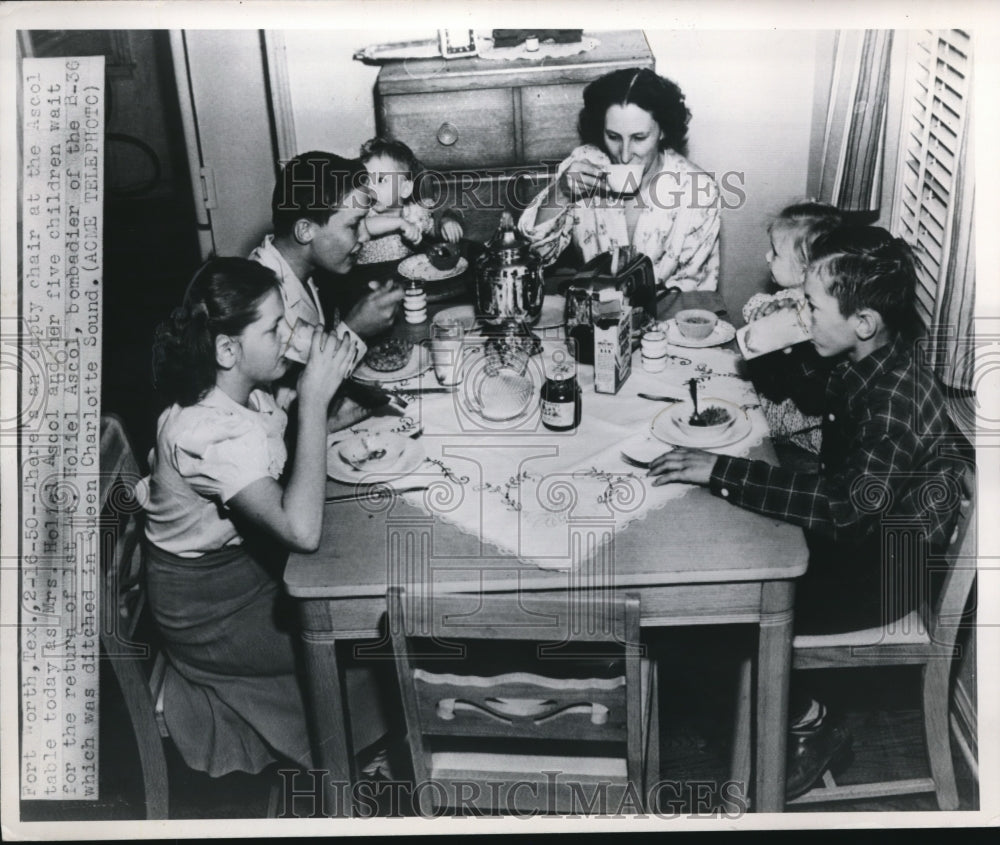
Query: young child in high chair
x: 399, y: 220
x: 219, y: 524
x: 886, y: 453
x: 792, y: 235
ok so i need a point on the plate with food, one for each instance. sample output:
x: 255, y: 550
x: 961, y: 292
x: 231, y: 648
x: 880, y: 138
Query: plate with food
x: 420, y: 269
x: 373, y: 457
x: 719, y: 422
x: 393, y: 359
x: 720, y: 333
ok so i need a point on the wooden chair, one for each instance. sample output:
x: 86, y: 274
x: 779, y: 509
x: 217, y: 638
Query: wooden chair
x: 123, y: 598
x: 925, y: 637
x: 487, y: 740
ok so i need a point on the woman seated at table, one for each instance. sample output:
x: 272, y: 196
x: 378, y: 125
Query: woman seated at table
x: 633, y: 116
x: 219, y: 523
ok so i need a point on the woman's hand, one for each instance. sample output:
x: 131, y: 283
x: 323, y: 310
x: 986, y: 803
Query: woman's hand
x: 581, y: 179
x: 330, y: 360
x: 692, y: 466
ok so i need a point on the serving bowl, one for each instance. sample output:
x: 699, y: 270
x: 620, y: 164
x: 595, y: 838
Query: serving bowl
x: 444, y: 256
x: 716, y: 416
x: 696, y: 323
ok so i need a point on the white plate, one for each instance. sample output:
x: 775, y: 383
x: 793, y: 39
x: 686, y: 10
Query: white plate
x: 553, y: 312
x: 420, y: 269
x: 420, y: 362
x: 722, y: 333
x: 339, y: 470
x: 665, y: 428
x: 388, y: 424
x: 464, y: 314
x: 643, y: 448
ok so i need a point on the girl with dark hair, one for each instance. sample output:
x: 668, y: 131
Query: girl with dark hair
x: 668, y: 208
x: 218, y: 522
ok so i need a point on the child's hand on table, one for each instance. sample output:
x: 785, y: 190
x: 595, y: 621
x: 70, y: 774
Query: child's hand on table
x: 410, y: 231
x: 451, y: 231
x: 692, y: 466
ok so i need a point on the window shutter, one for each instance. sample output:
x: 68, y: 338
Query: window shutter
x: 934, y: 121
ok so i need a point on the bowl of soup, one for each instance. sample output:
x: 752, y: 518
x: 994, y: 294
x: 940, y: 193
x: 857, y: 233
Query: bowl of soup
x: 696, y: 323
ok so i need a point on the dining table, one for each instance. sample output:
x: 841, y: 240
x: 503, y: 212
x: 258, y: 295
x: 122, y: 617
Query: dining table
x: 510, y: 506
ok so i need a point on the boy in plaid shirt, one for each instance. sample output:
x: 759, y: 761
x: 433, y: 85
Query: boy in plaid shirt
x: 885, y: 433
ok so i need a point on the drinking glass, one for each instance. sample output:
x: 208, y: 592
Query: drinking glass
x: 446, y: 351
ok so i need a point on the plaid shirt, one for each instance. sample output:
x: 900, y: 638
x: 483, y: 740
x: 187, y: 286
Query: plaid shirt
x: 884, y: 429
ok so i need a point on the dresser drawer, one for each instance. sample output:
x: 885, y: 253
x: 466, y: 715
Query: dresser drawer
x: 549, y: 115
x: 454, y: 129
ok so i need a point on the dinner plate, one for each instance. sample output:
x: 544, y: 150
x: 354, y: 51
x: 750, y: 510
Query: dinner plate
x: 420, y: 269
x: 420, y: 362
x: 722, y: 333
x: 553, y: 312
x: 412, y: 455
x: 664, y: 427
x: 463, y: 314
x: 642, y: 449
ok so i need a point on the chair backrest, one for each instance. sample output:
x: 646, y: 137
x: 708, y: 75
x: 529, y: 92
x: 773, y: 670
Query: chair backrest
x: 121, y: 541
x: 959, y: 569
x: 583, y: 684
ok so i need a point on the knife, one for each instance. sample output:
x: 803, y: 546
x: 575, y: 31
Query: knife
x: 660, y: 398
x: 367, y: 493
x: 406, y: 391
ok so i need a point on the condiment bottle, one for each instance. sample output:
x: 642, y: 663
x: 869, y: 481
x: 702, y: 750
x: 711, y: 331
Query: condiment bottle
x: 415, y: 303
x: 561, y: 399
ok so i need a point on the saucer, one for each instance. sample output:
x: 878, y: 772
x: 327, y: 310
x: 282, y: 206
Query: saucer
x: 722, y: 333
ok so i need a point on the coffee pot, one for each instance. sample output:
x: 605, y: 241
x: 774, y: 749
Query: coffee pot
x: 509, y: 281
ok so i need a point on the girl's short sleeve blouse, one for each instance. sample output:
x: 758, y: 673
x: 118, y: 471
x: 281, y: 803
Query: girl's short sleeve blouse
x: 205, y: 454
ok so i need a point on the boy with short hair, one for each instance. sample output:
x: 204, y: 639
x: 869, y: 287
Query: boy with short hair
x: 885, y: 437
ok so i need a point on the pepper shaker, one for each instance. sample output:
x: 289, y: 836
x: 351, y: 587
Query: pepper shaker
x: 415, y: 303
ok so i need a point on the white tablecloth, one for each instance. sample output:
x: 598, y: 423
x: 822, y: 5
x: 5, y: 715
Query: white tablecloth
x: 553, y: 499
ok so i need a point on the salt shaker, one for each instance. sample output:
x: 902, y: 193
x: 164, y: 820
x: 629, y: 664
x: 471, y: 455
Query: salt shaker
x: 415, y: 303
x: 654, y: 351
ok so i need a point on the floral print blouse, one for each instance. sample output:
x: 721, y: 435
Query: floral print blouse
x: 677, y: 228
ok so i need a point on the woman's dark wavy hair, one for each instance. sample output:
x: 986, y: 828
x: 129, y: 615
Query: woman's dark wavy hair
x: 866, y: 267
x: 223, y: 298
x: 313, y: 186
x: 657, y: 95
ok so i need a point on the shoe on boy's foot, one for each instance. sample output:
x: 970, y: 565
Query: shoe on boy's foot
x: 811, y: 752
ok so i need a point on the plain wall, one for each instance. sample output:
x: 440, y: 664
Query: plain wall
x: 751, y: 94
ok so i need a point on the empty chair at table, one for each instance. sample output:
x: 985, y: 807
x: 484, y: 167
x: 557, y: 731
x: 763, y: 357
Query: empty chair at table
x: 526, y: 703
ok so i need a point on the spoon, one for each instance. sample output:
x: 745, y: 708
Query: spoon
x: 693, y: 387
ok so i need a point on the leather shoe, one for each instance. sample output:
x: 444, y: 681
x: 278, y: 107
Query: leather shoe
x: 811, y: 753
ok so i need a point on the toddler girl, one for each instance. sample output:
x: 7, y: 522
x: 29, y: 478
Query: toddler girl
x: 792, y: 234
x: 219, y: 523
x: 398, y: 220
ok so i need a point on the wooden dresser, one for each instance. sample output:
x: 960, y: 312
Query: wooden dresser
x: 490, y: 128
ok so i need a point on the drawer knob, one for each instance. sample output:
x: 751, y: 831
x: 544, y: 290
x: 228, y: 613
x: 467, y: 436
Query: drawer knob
x: 447, y: 134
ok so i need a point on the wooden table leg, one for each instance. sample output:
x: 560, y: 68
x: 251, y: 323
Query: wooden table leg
x: 327, y: 713
x: 774, y: 668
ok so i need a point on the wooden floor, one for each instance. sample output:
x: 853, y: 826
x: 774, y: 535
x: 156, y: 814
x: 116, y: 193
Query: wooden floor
x: 881, y: 708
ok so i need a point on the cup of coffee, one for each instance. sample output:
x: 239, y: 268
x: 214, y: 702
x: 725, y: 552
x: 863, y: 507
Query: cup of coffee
x: 624, y: 179
x: 447, y: 337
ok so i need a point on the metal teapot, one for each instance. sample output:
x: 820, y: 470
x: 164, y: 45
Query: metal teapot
x: 509, y: 283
